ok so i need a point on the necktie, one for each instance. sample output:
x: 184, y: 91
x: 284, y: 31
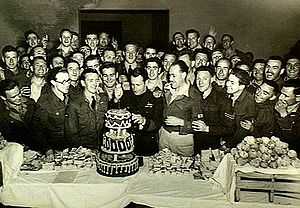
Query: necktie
x: 129, y: 69
x: 93, y: 104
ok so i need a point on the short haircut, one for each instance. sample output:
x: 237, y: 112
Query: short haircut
x: 91, y: 57
x: 243, y: 76
x: 182, y: 65
x: 295, y: 83
x: 52, y: 73
x: 35, y: 47
x: 177, y: 33
x: 209, y: 69
x: 138, y: 71
x: 55, y: 56
x: 209, y: 36
x: 109, y: 49
x: 224, y: 59
x: 8, y: 48
x: 38, y: 57
x: 92, y: 33
x: 217, y: 50
x: 6, y: 85
x: 185, y: 52
x: 71, y: 60
x: 273, y: 84
x: 154, y: 59
x: 277, y: 58
x: 203, y: 51
x: 192, y: 31
x: 64, y: 30
x: 291, y: 57
x: 74, y: 33
x: 263, y: 61
x: 23, y: 56
x: 228, y: 35
x: 87, y: 71
x: 106, y: 65
x: 132, y: 44
x: 76, y: 52
x: 28, y: 32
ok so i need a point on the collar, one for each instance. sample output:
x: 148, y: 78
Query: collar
x: 207, y: 93
x: 183, y: 91
x: 241, y: 96
x: 133, y: 65
x: 292, y: 108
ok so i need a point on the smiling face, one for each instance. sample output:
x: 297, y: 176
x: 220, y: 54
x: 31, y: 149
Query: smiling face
x: 13, y: 97
x: 62, y: 82
x: 192, y: 40
x: 179, y: 40
x: 109, y: 77
x: 39, y: 67
x: 103, y: 39
x: 258, y: 71
x: 232, y: 85
x: 73, y: 71
x: 209, y: 43
x: 91, y: 82
x: 226, y: 42
x: 177, y: 77
x: 11, y: 59
x: 66, y: 38
x: 216, y: 56
x: 150, y: 53
x: 222, y: 69
x: 203, y: 80
x: 169, y: 59
x: 201, y: 59
x: 93, y: 64
x: 130, y: 53
x: 92, y: 41
x: 32, y: 40
x: 153, y: 70
x: 293, y: 68
x: 264, y: 93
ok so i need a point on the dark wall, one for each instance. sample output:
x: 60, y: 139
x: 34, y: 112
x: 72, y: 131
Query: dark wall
x: 265, y: 27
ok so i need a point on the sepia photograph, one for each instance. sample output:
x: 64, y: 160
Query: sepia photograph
x: 149, y: 104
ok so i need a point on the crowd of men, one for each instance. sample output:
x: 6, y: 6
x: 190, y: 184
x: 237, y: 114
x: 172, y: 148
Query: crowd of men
x: 196, y: 94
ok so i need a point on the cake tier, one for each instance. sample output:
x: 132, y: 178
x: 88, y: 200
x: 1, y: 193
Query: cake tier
x: 120, y: 168
x: 117, y: 145
x: 118, y: 119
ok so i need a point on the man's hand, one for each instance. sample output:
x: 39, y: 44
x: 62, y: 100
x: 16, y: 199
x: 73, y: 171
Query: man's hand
x: 25, y: 91
x: 114, y: 43
x: 200, y: 125
x: 281, y: 108
x: 138, y: 119
x: 248, y: 125
x: 118, y: 92
x: 174, y: 121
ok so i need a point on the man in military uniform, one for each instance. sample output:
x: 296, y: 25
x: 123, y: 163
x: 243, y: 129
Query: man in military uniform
x: 288, y: 114
x: 146, y: 114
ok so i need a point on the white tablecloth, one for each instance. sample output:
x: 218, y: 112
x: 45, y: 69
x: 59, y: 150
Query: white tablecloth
x: 86, y: 188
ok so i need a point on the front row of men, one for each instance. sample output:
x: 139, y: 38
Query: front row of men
x: 186, y: 118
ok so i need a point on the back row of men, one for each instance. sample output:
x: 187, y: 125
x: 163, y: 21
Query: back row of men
x: 190, y: 97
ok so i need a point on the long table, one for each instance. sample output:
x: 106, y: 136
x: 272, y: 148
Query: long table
x: 86, y: 188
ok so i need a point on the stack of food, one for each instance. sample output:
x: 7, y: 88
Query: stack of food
x: 264, y: 152
x: 3, y: 142
x: 167, y: 162
x: 73, y: 158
